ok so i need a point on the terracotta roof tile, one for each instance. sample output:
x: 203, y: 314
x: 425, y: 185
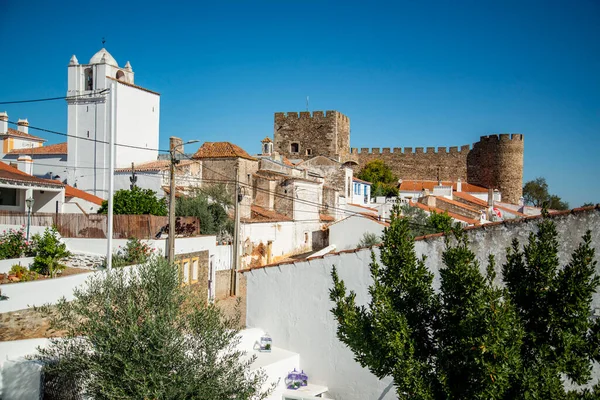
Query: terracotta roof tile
x: 71, y: 191
x: 260, y: 214
x: 12, y: 174
x: 361, y: 181
x: 459, y: 204
x: 221, y: 150
x: 326, y: 218
x: 365, y: 207
x: 15, y: 132
x: 59, y: 148
x: 418, y: 185
x: 470, y: 198
x: 158, y: 165
x: 440, y: 211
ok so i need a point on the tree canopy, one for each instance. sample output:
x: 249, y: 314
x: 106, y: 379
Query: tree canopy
x: 209, y: 205
x: 473, y: 339
x: 136, y: 201
x: 382, y: 178
x: 536, y: 194
x: 422, y: 224
x: 145, y: 336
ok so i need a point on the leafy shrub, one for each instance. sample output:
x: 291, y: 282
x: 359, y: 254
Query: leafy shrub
x: 136, y: 202
x: 369, y: 239
x: 50, y: 250
x: 13, y: 244
x: 23, y: 273
x: 134, y: 252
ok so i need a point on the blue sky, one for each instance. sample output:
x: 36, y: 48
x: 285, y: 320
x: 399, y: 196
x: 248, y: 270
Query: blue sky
x: 436, y: 73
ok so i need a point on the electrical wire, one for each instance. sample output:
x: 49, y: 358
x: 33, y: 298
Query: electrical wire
x: 53, y: 98
x: 90, y: 139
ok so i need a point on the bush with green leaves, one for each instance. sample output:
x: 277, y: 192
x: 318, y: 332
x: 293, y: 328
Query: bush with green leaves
x: 136, y: 202
x: 134, y: 252
x: 143, y: 335
x: 50, y: 250
x: 23, y: 273
x: 473, y: 339
x: 209, y: 210
x: 369, y: 239
x: 383, y: 180
x: 14, y: 244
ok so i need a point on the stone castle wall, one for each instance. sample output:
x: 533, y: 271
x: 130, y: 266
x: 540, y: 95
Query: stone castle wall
x: 496, y: 161
x: 322, y: 133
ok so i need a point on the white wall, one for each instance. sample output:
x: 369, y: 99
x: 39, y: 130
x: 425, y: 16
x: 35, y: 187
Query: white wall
x: 288, y: 237
x: 73, y: 204
x: 291, y: 301
x: 46, y: 202
x: 182, y: 245
x: 223, y: 257
x: 6, y: 265
x: 145, y: 180
x: 138, y: 114
x: 346, y: 234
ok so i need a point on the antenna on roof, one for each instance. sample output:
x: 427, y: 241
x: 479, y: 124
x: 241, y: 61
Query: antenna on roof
x: 306, y: 103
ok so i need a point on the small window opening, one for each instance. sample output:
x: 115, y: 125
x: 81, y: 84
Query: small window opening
x: 89, y: 79
x: 305, y: 237
x: 120, y: 76
x: 309, y: 152
x: 294, y: 148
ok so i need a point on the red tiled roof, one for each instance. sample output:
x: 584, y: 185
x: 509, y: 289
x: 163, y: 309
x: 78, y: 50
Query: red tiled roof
x: 287, y: 162
x: 365, y: 207
x: 221, y: 150
x: 326, y: 218
x: 132, y: 85
x: 71, y: 191
x: 435, y: 235
x: 58, y: 148
x: 361, y: 181
x: 266, y: 140
x: 158, y: 165
x: 17, y: 133
x: 12, y: 174
x: 260, y: 214
x: 417, y: 186
x: 458, y: 204
x: 509, y: 210
x: 470, y: 198
x: 440, y: 211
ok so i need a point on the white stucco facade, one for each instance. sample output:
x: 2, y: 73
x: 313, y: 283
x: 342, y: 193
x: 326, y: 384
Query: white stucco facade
x: 89, y: 117
x: 346, y: 233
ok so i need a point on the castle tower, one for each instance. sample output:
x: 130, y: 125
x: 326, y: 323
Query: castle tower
x: 88, y: 103
x: 305, y: 136
x: 496, y: 161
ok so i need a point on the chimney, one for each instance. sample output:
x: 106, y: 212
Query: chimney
x: 25, y: 164
x: 491, y: 197
x: 23, y: 125
x: 459, y: 185
x: 3, y: 123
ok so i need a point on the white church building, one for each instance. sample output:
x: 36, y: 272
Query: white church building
x: 136, y: 122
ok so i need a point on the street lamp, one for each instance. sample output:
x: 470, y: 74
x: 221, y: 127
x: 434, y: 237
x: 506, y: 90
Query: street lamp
x: 29, y: 201
x: 171, y: 238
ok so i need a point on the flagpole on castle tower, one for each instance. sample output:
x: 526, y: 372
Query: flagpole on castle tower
x: 111, y: 176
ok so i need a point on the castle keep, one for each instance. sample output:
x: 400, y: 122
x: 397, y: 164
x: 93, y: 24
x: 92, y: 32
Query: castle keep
x: 496, y: 161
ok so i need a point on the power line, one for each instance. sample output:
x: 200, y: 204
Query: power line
x: 52, y: 98
x: 89, y: 139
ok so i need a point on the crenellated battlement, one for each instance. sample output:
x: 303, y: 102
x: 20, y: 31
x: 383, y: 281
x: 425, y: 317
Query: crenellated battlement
x: 295, y: 115
x: 502, y: 137
x: 410, y: 150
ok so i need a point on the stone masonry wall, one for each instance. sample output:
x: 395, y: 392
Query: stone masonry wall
x: 326, y: 134
x: 496, y: 161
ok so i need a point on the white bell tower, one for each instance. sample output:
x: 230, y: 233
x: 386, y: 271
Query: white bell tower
x: 88, y: 102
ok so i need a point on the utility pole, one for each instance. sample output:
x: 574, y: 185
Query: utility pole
x: 174, y: 142
x: 236, y: 236
x: 111, y: 175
